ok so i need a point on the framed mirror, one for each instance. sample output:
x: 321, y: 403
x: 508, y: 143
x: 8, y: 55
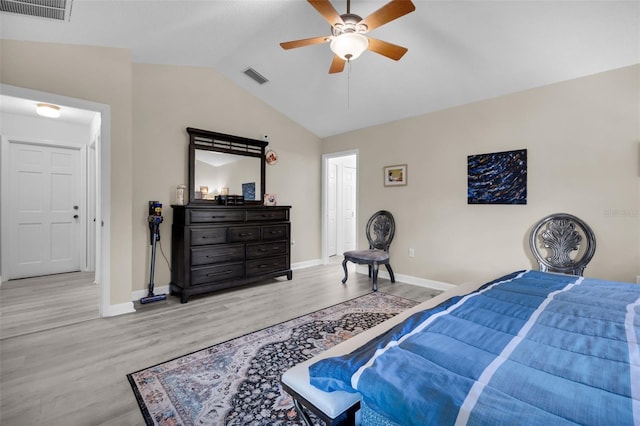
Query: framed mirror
x: 225, y: 169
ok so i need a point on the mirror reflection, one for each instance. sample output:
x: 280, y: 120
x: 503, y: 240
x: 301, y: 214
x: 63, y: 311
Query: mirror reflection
x: 219, y: 173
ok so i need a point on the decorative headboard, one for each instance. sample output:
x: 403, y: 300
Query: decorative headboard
x: 563, y: 243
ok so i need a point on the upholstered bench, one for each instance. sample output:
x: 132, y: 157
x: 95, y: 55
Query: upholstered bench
x: 340, y: 408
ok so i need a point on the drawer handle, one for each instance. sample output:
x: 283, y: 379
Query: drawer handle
x: 247, y: 234
x: 276, y: 232
x: 265, y: 265
x: 228, y: 271
x: 209, y: 256
x: 275, y: 248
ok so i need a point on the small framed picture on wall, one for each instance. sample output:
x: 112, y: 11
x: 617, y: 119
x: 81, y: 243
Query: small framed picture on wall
x: 395, y: 175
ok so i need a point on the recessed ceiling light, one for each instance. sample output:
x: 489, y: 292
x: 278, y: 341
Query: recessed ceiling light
x: 48, y: 110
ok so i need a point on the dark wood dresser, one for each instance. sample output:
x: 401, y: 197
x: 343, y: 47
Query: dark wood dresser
x: 218, y: 247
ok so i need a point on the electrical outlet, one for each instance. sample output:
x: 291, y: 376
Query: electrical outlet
x: 411, y: 252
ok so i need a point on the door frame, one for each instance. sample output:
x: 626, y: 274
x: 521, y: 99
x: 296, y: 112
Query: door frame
x: 325, y: 197
x: 103, y: 185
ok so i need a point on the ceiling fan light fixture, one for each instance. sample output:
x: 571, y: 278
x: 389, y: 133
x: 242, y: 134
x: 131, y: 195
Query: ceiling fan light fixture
x: 48, y: 110
x: 349, y: 46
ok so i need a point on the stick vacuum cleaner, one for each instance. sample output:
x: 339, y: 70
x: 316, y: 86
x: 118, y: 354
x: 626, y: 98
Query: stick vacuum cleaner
x: 155, y: 219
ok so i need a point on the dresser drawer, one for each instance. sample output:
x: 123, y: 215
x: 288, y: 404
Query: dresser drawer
x: 267, y: 214
x: 209, y: 274
x: 216, y: 254
x: 264, y: 266
x: 215, y: 216
x: 203, y: 236
x: 256, y: 251
x: 244, y: 233
x: 275, y: 232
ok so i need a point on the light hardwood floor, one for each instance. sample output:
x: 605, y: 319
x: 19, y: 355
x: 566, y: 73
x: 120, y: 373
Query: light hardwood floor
x: 74, y: 372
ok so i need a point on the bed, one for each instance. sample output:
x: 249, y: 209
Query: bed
x: 531, y: 347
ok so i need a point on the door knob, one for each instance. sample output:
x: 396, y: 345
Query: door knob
x: 75, y: 216
x: 75, y: 207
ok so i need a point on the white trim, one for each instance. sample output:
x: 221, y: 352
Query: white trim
x: 103, y: 175
x: 306, y: 264
x: 408, y: 279
x: 325, y: 205
x: 115, y: 310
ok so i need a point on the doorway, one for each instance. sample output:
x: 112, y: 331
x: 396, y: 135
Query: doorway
x: 96, y: 204
x: 340, y: 201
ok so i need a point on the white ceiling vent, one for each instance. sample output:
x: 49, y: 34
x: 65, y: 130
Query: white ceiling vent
x: 255, y: 75
x: 50, y: 9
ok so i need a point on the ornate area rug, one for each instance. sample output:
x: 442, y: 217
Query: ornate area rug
x: 238, y: 382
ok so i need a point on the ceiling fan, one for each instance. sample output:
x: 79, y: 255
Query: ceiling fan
x: 348, y: 39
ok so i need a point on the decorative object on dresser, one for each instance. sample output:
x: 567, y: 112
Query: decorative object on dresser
x: 230, y: 240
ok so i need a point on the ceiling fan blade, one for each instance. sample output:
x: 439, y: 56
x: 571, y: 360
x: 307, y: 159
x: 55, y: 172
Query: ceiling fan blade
x: 304, y: 42
x: 384, y: 48
x: 337, y: 65
x: 387, y: 13
x: 327, y: 11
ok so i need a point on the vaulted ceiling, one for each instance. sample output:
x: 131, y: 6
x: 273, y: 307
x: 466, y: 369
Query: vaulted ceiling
x: 459, y: 51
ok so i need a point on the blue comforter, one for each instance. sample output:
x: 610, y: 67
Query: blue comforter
x: 530, y: 348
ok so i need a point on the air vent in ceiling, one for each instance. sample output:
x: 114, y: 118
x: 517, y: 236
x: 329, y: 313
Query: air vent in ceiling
x: 50, y: 9
x: 255, y: 75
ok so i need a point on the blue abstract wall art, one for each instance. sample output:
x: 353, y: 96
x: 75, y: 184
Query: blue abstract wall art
x: 497, y: 178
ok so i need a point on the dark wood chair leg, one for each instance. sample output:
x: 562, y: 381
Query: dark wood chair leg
x: 375, y: 277
x: 346, y: 274
x: 393, y: 278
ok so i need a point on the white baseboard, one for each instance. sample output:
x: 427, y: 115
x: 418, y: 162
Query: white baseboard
x: 408, y: 279
x: 125, y: 308
x: 120, y: 309
x: 306, y: 264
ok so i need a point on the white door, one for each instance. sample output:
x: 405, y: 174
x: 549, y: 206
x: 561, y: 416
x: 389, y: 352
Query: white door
x: 349, y: 207
x: 44, y: 200
x: 332, y: 220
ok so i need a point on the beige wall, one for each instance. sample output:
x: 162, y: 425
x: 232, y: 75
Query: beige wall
x: 582, y: 138
x: 583, y: 142
x: 151, y: 106
x: 167, y: 100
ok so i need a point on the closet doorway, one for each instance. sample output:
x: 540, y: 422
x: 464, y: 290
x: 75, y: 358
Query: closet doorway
x: 340, y: 201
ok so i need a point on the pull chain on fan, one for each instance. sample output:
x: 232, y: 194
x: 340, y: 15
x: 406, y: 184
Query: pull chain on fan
x: 348, y: 40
